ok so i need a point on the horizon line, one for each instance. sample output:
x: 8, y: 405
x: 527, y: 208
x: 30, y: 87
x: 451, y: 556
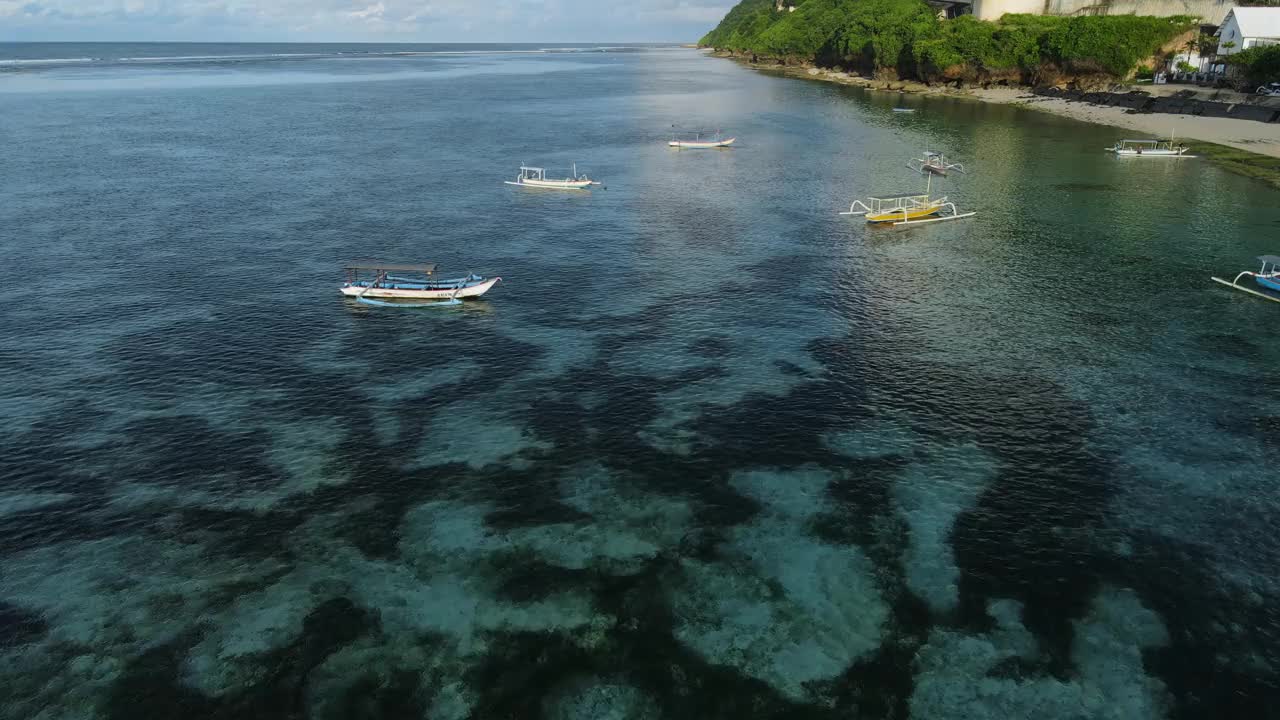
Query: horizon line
x: 352, y: 42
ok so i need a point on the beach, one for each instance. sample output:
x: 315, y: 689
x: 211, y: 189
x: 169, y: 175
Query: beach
x: 1247, y: 135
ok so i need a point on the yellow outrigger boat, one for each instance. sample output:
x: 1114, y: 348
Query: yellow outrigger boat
x: 907, y: 209
x: 899, y: 208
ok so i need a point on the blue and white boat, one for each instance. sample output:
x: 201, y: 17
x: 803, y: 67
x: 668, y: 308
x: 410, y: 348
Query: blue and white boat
x: 1267, y: 277
x: 373, y: 283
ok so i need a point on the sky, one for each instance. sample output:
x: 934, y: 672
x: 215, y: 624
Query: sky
x: 360, y: 20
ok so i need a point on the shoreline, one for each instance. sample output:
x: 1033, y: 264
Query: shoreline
x: 1244, y: 147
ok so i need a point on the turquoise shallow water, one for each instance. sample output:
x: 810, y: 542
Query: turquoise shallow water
x: 710, y: 449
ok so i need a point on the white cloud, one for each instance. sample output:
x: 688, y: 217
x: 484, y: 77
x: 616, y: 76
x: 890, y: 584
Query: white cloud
x: 369, y: 13
x: 687, y: 12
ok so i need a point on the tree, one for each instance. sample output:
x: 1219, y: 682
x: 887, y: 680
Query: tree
x: 906, y: 38
x: 1258, y: 64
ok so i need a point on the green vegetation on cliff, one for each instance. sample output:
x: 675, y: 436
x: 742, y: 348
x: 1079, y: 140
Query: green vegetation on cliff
x: 905, y: 36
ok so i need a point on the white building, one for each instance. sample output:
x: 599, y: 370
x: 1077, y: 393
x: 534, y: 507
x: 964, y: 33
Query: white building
x: 1209, y: 11
x: 1246, y: 27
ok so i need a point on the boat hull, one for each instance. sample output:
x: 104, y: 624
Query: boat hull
x: 900, y: 215
x: 432, y: 293
x: 700, y: 145
x: 1152, y: 153
x: 1270, y: 282
x: 554, y: 184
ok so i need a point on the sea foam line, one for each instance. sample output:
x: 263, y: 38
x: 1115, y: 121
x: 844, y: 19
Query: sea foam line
x: 46, y: 61
x: 219, y: 57
x: 268, y: 56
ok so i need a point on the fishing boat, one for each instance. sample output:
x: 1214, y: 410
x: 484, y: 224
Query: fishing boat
x: 904, y: 110
x: 907, y: 208
x: 698, y: 143
x: 400, y: 285
x: 1267, y: 277
x: 537, y: 177
x: 1150, y: 148
x: 935, y: 163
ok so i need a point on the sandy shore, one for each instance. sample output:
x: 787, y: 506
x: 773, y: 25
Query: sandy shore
x: 1247, y: 135
x: 1261, y: 138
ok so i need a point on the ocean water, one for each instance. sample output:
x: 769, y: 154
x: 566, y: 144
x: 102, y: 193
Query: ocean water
x: 710, y: 450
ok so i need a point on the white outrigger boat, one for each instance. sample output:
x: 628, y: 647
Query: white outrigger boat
x: 907, y: 209
x: 1268, y: 277
x: 373, y: 283
x: 1150, y: 148
x: 934, y: 163
x: 697, y: 143
x: 537, y: 177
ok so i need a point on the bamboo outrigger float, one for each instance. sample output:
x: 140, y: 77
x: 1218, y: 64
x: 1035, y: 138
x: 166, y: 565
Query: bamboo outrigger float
x: 907, y: 209
x: 372, y: 283
x: 536, y: 177
x: 1268, y: 279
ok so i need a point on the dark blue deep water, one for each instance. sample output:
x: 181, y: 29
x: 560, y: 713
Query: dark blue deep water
x: 710, y: 450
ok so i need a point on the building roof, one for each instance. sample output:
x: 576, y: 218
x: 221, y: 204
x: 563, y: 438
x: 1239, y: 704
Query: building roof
x: 1257, y: 22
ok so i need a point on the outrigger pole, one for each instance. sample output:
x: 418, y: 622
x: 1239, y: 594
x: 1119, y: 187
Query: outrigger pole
x: 380, y: 275
x: 1232, y: 284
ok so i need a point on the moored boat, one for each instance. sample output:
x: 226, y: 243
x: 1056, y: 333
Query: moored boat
x: 698, y: 143
x: 1150, y: 148
x: 375, y: 282
x: 934, y: 163
x: 1267, y: 277
x: 907, y: 208
x: 537, y: 177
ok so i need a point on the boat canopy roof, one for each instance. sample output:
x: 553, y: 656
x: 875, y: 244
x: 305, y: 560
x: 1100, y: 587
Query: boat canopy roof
x: 896, y: 196
x: 1145, y: 142
x: 1269, y: 259
x: 396, y: 267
